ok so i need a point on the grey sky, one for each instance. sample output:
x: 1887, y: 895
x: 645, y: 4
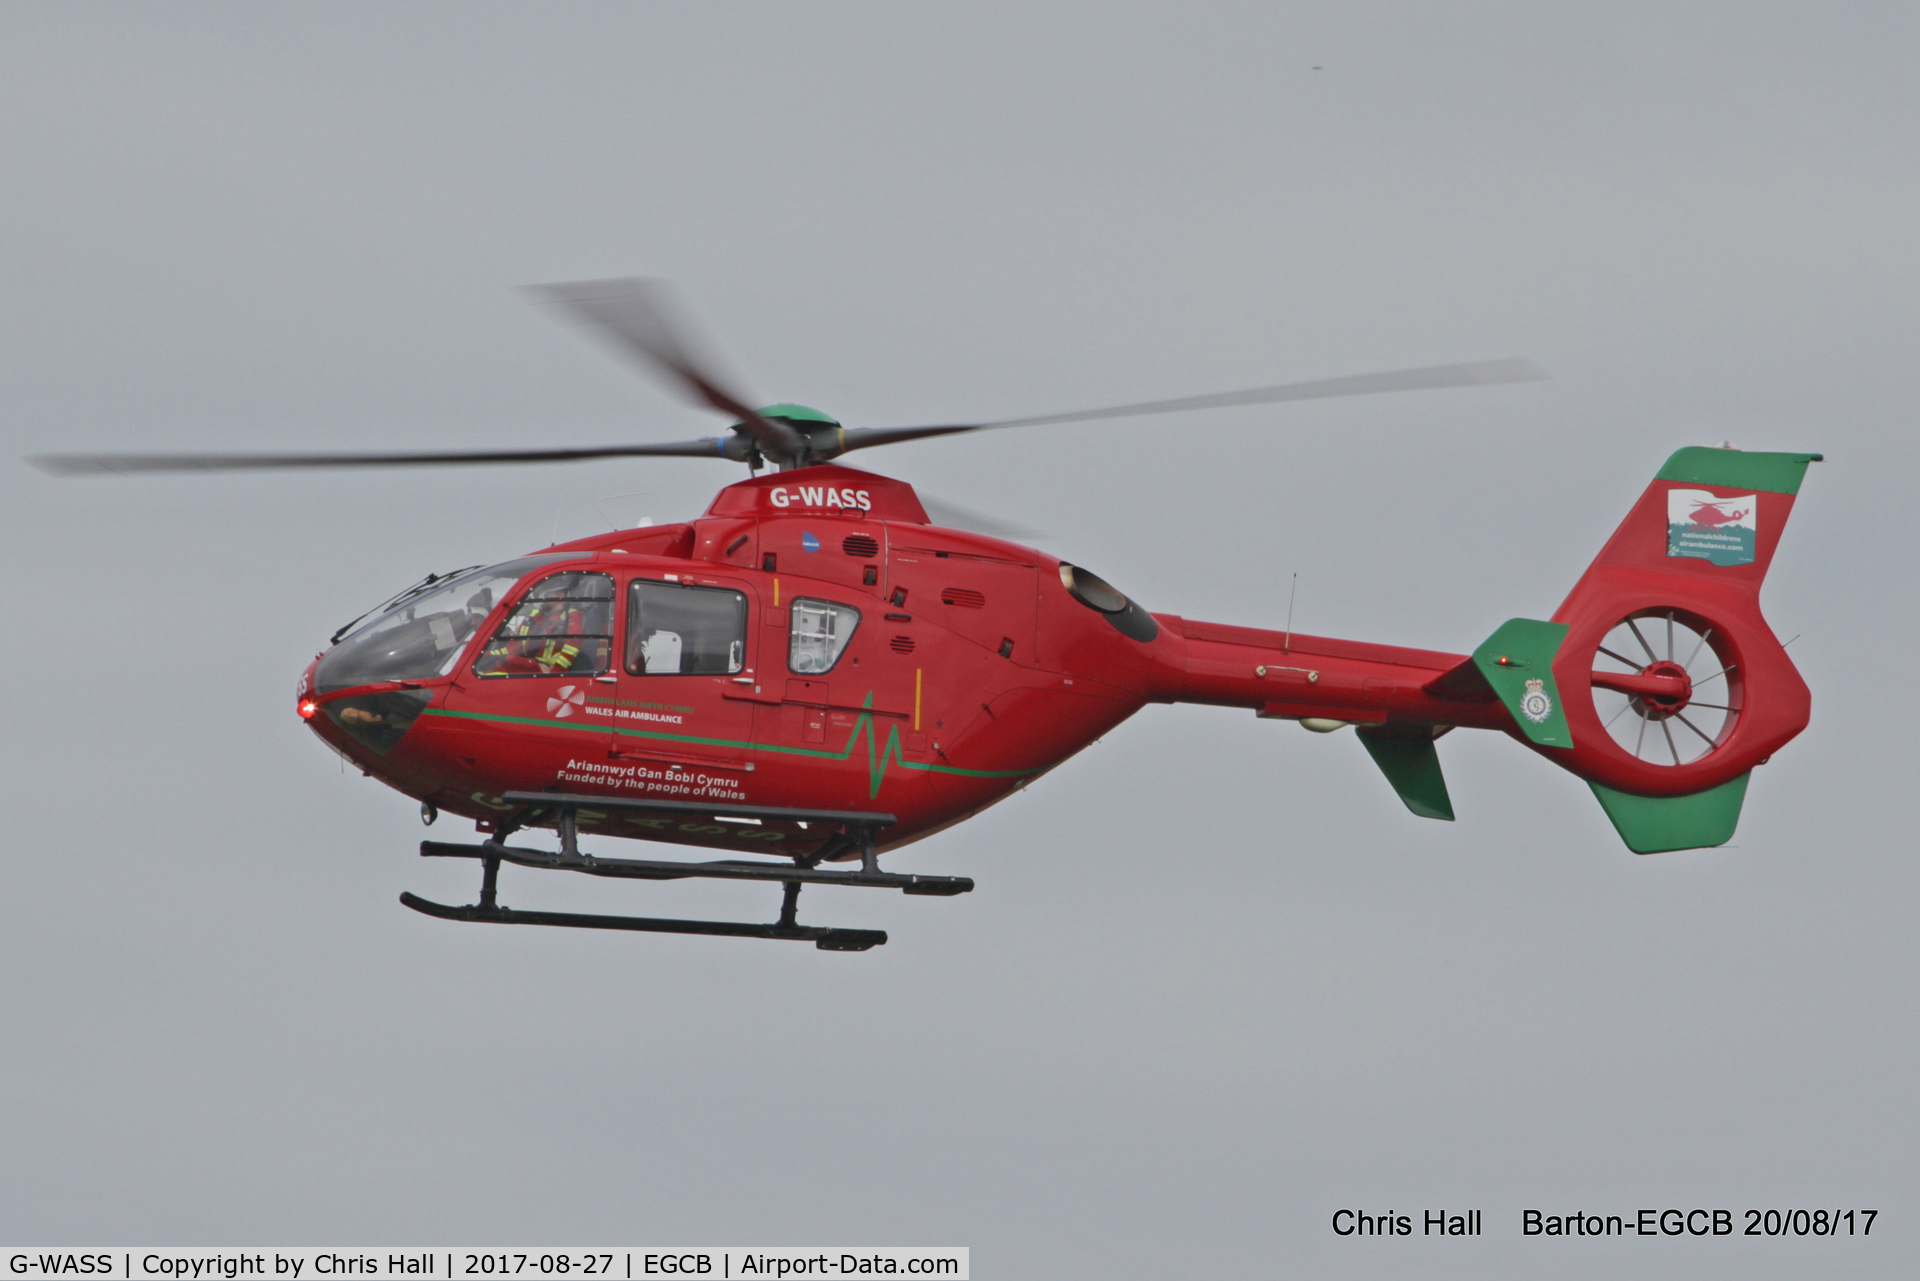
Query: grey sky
x: 1215, y: 982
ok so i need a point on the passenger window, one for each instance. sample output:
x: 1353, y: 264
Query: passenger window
x: 821, y: 631
x: 563, y: 627
x: 686, y: 630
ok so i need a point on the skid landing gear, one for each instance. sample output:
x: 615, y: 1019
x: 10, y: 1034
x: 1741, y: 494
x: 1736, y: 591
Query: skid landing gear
x: 859, y: 830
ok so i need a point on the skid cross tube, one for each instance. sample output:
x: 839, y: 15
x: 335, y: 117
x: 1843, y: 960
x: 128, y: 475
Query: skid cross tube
x: 721, y: 870
x: 861, y: 829
x: 858, y: 830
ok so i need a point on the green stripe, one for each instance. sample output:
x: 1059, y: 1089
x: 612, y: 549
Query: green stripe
x: 586, y: 727
x: 1738, y: 469
x: 878, y: 758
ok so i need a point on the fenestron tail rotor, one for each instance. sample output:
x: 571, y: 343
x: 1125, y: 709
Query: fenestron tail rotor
x: 1666, y: 686
x: 640, y: 319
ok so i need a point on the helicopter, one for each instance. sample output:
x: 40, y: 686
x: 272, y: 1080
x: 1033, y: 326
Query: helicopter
x: 814, y: 672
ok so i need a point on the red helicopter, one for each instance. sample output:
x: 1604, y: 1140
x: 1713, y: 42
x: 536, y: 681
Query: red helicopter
x: 1711, y: 515
x: 813, y: 673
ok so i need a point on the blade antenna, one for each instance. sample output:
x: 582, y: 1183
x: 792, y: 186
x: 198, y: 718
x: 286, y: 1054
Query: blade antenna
x: 1286, y: 646
x: 601, y: 506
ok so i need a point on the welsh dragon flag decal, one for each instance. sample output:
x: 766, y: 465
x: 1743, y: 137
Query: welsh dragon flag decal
x: 1720, y: 530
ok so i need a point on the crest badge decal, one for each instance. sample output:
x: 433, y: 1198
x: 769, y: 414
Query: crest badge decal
x: 1722, y: 531
x: 567, y: 697
x: 1534, y: 704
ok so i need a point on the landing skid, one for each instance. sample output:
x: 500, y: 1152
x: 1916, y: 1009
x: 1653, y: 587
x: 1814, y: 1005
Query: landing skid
x: 826, y: 938
x: 858, y: 830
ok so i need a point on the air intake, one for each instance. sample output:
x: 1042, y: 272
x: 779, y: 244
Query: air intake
x: 965, y: 597
x: 860, y: 545
x: 901, y: 644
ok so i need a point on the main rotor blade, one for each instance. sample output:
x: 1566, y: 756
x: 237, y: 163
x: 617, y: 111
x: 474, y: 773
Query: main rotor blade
x: 134, y: 464
x: 638, y: 317
x: 1479, y: 374
x: 954, y: 516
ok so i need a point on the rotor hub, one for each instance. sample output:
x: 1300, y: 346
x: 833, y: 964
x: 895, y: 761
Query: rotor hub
x: 1659, y: 704
x: 1661, y: 689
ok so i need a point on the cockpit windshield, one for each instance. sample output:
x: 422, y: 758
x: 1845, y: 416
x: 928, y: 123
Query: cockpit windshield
x: 423, y: 635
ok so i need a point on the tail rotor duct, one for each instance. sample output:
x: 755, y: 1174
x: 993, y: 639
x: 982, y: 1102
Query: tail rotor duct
x: 1667, y: 686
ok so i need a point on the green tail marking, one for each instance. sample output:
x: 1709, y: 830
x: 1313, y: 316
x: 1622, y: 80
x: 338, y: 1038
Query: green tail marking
x: 1413, y: 768
x: 1657, y: 824
x: 1517, y: 661
x: 1737, y: 469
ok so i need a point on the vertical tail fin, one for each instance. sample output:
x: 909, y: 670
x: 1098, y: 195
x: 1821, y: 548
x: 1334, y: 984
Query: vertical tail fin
x: 1671, y: 684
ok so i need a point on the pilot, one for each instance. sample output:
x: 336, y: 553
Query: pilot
x: 553, y: 620
x: 549, y: 633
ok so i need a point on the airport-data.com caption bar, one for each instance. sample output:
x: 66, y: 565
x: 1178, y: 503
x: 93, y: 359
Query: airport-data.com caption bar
x: 440, y: 1263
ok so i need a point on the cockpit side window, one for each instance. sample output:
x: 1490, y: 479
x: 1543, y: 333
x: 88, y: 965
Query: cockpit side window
x: 679, y: 630
x: 562, y: 627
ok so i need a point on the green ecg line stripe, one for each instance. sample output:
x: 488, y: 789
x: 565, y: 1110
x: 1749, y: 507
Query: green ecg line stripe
x: 878, y: 758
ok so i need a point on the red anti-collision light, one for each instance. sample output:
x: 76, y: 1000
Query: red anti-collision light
x: 307, y: 708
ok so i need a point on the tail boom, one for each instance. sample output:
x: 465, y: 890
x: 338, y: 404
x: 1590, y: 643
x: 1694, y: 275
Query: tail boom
x: 1287, y: 674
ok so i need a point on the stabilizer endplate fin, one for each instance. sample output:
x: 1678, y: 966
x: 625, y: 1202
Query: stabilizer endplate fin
x: 1658, y: 824
x: 1413, y: 768
x: 1517, y: 661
